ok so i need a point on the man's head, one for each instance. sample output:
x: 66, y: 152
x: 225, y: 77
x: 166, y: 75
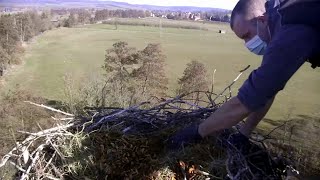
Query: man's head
x: 249, y: 19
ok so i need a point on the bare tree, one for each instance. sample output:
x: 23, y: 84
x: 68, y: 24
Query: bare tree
x: 71, y: 21
x: 4, y: 59
x: 9, y: 40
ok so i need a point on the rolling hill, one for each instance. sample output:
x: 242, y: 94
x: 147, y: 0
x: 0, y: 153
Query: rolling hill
x: 101, y: 4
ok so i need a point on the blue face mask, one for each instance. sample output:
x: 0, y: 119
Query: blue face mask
x: 256, y: 45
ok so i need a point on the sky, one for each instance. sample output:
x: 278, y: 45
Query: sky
x: 224, y: 4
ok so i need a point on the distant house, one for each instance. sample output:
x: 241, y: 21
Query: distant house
x: 7, y: 9
x: 189, y: 15
x: 193, y: 16
x: 197, y: 17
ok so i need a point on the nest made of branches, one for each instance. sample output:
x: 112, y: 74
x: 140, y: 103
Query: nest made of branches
x: 130, y: 143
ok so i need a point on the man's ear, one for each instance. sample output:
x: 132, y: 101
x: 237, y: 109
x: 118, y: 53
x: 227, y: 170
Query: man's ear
x: 263, y: 19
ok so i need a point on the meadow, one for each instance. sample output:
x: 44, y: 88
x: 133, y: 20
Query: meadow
x: 80, y: 52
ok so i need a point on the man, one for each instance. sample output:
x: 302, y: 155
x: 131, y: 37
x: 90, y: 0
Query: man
x: 286, y: 33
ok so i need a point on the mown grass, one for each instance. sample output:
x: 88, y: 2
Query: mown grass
x: 80, y: 52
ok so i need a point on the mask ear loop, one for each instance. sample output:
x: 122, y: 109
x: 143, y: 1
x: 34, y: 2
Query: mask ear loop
x: 258, y: 28
x: 269, y: 32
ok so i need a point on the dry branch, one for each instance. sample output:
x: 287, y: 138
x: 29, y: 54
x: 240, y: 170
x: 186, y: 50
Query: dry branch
x: 234, y: 81
x: 49, y: 108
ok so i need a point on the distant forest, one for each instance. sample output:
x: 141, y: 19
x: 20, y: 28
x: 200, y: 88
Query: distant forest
x: 18, y: 27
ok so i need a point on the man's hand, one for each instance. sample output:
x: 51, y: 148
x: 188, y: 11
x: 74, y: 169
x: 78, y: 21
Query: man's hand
x: 239, y: 142
x: 187, y: 136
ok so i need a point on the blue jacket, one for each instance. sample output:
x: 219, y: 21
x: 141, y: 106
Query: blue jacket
x: 291, y: 45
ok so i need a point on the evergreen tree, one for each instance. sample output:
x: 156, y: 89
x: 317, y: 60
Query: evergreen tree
x: 194, y: 78
x: 150, y: 77
x: 118, y: 65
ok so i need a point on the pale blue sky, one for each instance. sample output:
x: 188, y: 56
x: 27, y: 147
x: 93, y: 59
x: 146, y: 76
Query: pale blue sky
x: 225, y: 4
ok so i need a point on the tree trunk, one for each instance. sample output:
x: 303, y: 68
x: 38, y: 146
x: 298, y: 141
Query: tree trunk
x: 21, y: 31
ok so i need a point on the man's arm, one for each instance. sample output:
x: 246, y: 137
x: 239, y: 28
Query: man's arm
x: 289, y: 49
x: 228, y: 115
x: 287, y: 52
x: 254, y: 118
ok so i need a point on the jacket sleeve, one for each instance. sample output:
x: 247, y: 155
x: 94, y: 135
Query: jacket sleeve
x: 286, y: 53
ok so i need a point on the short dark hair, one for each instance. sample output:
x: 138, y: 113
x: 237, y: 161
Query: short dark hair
x: 238, y: 9
x: 246, y: 8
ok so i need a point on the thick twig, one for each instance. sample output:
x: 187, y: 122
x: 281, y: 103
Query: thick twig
x: 49, y: 162
x: 104, y: 119
x: 50, y: 108
x: 62, y: 119
x: 33, y: 162
x: 18, y: 167
x: 234, y: 81
x: 32, y: 137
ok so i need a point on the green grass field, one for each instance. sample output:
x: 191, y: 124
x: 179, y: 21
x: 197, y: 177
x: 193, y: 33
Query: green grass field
x: 80, y: 51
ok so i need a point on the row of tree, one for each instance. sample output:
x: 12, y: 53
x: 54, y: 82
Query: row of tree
x: 130, y: 13
x: 82, y: 16
x: 133, y: 76
x: 16, y: 29
x: 78, y: 16
x: 223, y: 16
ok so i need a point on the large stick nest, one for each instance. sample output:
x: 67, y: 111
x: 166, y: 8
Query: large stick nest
x: 130, y: 143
